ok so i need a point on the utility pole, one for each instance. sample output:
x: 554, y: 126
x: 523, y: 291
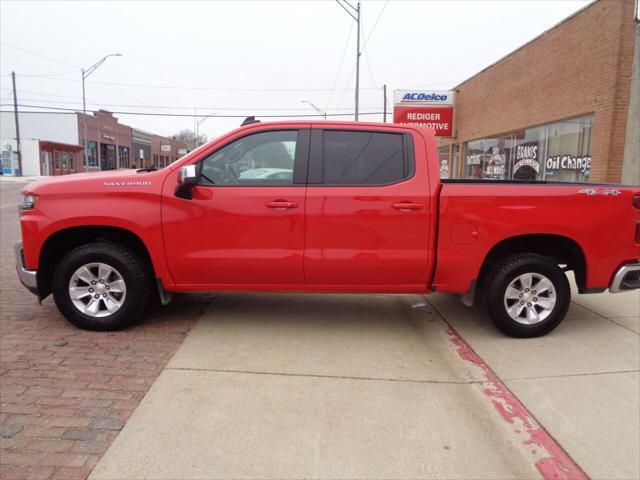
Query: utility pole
x: 384, y: 107
x: 354, y: 12
x: 15, y: 112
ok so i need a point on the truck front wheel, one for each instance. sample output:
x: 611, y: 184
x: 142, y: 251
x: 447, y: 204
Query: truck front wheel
x: 101, y: 286
x: 527, y: 295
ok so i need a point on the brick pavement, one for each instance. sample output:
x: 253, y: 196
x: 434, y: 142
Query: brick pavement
x: 65, y: 393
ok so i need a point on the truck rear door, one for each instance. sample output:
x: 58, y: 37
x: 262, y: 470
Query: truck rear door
x: 367, y: 211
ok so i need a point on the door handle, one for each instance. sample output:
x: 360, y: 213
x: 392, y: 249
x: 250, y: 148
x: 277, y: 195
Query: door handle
x: 281, y: 204
x: 407, y: 206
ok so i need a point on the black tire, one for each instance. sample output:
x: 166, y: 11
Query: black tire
x: 505, y: 272
x: 133, y: 269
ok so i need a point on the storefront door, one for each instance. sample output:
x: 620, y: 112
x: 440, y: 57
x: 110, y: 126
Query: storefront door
x: 46, y: 163
x: 108, y: 157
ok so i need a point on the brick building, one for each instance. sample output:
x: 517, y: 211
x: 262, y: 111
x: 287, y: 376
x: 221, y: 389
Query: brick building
x: 109, y: 141
x: 564, y: 106
x: 53, y: 144
x: 166, y: 150
x: 136, y: 148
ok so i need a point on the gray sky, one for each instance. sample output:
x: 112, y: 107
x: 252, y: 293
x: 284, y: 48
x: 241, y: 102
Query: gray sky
x: 248, y: 57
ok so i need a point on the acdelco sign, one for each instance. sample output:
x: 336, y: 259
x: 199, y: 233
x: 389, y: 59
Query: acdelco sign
x: 403, y: 97
x: 427, y: 108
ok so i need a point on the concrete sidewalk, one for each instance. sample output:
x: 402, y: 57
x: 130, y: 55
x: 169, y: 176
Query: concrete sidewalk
x: 303, y: 386
x: 340, y: 386
x: 581, y: 381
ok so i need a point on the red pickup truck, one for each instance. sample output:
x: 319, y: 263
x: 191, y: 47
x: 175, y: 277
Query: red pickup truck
x: 323, y: 207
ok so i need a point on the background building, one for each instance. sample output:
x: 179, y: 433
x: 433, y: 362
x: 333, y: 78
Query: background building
x: 166, y: 150
x: 563, y: 107
x: 140, y: 148
x: 109, y: 141
x: 53, y: 144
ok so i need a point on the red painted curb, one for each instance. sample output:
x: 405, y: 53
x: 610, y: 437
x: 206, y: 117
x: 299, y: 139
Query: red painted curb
x: 556, y: 464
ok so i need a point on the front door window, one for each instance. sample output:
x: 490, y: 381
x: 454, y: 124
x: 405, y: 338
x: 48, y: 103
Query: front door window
x: 260, y: 159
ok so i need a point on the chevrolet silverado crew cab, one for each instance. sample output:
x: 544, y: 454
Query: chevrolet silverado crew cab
x: 323, y: 207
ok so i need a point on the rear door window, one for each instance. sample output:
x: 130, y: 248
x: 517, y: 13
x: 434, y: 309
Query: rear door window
x: 363, y: 158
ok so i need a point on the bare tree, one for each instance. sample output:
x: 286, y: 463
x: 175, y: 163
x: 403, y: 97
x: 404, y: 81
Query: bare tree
x: 188, y: 137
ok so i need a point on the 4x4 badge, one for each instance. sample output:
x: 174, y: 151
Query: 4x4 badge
x: 600, y: 191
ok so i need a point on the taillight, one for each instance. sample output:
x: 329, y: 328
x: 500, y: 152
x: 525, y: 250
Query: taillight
x: 635, y: 201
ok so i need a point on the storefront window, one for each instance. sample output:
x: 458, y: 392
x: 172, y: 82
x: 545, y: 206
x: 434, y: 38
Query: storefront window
x: 497, y: 156
x: 455, y: 163
x: 473, y: 160
x: 57, y: 160
x: 443, y: 155
x: 92, y: 156
x: 568, y: 153
x: 72, y: 161
x: 529, y: 147
x: 123, y: 160
x: 559, y: 151
x: 65, y: 160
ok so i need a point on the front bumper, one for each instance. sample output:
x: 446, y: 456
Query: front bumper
x: 28, y: 278
x: 626, y: 278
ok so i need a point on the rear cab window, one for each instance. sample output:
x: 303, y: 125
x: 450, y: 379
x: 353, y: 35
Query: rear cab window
x: 348, y: 157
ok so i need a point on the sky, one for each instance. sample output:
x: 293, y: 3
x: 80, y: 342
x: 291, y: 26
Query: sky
x: 252, y: 57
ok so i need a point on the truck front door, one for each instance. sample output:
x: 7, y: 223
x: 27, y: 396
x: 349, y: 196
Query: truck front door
x: 244, y: 224
x: 368, y: 212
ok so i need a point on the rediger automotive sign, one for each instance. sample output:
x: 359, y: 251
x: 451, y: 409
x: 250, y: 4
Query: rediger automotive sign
x: 428, y: 108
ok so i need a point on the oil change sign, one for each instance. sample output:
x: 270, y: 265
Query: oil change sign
x: 433, y: 109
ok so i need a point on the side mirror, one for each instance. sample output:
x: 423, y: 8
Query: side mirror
x: 188, y: 177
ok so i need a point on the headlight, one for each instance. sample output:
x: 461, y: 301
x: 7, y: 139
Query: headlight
x: 28, y: 202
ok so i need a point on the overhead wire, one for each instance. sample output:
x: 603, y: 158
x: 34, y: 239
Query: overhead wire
x: 344, y: 53
x: 62, y: 110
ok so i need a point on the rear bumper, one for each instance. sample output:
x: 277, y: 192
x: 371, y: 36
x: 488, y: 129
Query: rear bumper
x: 28, y: 278
x: 626, y: 278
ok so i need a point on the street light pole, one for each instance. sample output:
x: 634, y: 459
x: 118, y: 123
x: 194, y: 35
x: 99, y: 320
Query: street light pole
x: 84, y: 124
x: 354, y: 12
x: 324, y: 114
x: 196, y: 142
x: 85, y: 74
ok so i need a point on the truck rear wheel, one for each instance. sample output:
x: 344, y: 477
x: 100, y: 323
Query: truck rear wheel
x: 527, y: 295
x: 101, y: 286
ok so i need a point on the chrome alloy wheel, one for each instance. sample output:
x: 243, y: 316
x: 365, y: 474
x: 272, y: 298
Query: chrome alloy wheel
x: 530, y: 298
x: 97, y: 289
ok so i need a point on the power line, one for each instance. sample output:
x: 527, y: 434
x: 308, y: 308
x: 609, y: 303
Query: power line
x: 73, y: 111
x: 42, y: 94
x: 375, y: 24
x: 366, y: 56
x: 366, y: 42
x: 40, y: 55
x: 344, y: 53
x: 344, y: 91
x: 171, y: 107
x: 116, y: 89
x: 214, y: 89
x: 48, y: 75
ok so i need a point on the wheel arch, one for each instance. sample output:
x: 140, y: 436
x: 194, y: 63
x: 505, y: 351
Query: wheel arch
x: 561, y: 249
x: 63, y: 241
